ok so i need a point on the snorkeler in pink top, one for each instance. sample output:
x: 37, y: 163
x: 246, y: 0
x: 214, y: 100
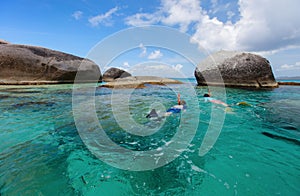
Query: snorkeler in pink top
x: 207, y: 97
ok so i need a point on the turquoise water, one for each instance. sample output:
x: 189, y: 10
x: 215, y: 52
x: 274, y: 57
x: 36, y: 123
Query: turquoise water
x: 256, y: 153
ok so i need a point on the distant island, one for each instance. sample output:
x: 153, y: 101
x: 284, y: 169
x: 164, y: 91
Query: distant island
x: 286, y: 80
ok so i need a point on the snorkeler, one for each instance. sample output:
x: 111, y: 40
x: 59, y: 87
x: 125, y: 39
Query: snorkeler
x: 176, y: 108
x: 181, y: 105
x: 207, y: 97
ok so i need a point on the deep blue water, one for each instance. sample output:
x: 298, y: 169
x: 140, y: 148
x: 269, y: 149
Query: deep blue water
x: 256, y: 153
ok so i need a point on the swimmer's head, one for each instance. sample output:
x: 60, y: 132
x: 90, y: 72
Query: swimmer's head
x: 206, y: 95
x: 182, y: 102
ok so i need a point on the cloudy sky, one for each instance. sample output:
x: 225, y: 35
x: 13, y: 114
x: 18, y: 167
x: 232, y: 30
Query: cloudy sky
x: 268, y: 27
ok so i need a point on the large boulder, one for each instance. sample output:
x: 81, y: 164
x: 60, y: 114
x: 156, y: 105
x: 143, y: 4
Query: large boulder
x: 114, y: 73
x: 21, y: 64
x: 235, y: 69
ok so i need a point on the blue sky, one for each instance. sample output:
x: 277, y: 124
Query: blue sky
x: 270, y: 28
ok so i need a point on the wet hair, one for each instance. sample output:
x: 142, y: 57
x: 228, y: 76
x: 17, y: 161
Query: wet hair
x: 182, y: 102
x: 206, y: 95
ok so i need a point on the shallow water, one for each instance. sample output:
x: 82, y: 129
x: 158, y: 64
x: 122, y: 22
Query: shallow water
x: 256, y: 153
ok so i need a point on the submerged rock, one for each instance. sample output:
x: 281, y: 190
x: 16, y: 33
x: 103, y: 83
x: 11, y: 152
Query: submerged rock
x: 21, y: 64
x: 114, y: 73
x: 139, y: 82
x: 283, y: 138
x: 236, y: 69
x: 30, y: 103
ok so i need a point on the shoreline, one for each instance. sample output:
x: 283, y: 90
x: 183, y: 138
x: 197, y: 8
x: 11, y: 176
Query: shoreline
x: 289, y: 83
x: 111, y: 84
x: 42, y: 82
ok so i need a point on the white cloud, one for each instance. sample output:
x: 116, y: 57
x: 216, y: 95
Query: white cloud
x: 270, y: 26
x: 156, y: 54
x: 142, y: 19
x: 126, y: 64
x: 178, y: 67
x: 218, y: 8
x: 103, y: 18
x: 155, y: 69
x: 182, y: 13
x: 214, y: 5
x: 263, y: 25
x: 144, y: 50
x: 77, y: 15
x: 171, y: 12
x: 295, y: 66
x: 230, y: 14
x: 214, y: 35
x: 286, y: 66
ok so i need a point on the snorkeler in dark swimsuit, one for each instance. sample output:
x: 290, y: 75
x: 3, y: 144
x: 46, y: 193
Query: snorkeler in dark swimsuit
x: 174, y: 109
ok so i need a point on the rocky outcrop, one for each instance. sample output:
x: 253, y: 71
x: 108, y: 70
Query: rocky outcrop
x: 21, y: 64
x: 289, y: 83
x: 139, y: 82
x: 114, y: 73
x: 235, y: 69
x: 3, y: 41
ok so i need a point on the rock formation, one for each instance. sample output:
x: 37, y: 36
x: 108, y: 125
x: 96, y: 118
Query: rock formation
x: 235, y: 69
x: 139, y: 82
x: 21, y: 64
x: 3, y: 41
x: 114, y: 73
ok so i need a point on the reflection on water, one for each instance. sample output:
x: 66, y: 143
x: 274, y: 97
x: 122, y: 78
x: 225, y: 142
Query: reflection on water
x: 257, y: 152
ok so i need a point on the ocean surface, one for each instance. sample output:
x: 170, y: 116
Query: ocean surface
x: 256, y: 149
x: 297, y: 81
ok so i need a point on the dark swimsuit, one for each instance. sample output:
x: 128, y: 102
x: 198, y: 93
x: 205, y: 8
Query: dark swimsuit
x: 176, y: 110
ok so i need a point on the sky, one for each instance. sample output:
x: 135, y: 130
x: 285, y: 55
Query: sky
x: 187, y: 31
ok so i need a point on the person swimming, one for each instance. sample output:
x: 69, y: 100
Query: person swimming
x: 181, y: 105
x: 207, y: 97
x: 176, y: 108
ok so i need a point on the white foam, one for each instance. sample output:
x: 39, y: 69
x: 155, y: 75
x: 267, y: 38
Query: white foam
x: 159, y: 155
x: 159, y: 149
x: 198, y: 169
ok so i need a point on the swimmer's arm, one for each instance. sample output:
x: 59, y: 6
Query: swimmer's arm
x: 167, y: 114
x: 178, y: 106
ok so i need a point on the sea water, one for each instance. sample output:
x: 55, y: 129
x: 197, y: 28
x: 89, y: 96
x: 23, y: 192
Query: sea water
x: 256, y: 151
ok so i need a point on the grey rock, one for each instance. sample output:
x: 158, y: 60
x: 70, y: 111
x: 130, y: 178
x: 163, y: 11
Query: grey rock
x: 114, y: 73
x: 235, y: 69
x: 22, y: 64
